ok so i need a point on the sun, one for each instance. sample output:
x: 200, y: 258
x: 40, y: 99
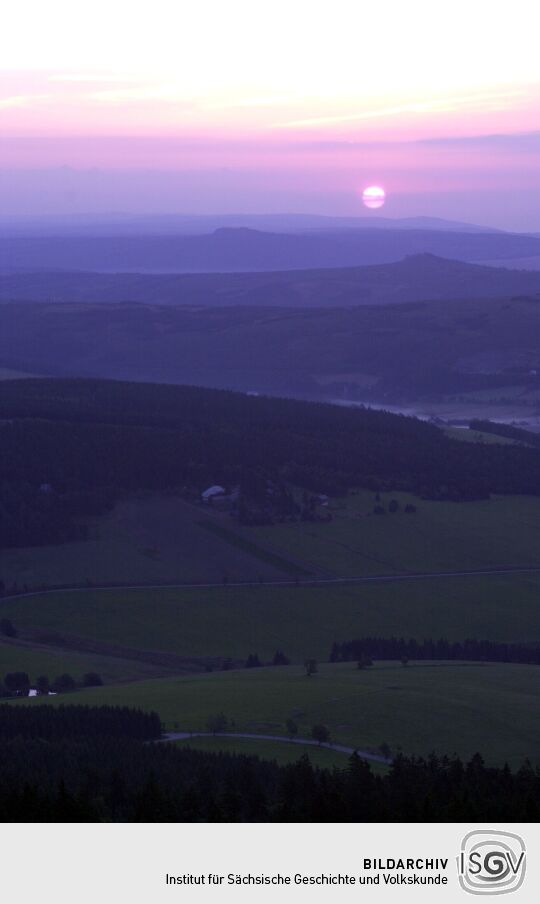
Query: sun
x: 373, y: 196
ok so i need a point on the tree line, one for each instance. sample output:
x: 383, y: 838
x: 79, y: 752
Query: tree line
x: 82, y: 764
x: 471, y: 650
x: 52, y: 723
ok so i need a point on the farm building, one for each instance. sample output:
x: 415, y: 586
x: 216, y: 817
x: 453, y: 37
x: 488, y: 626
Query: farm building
x: 209, y: 494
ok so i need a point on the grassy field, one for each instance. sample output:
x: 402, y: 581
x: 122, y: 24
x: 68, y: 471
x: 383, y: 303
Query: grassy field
x: 302, y: 621
x: 464, y: 434
x: 43, y: 661
x: 504, y: 530
x: 444, y: 707
x: 147, y: 539
x: 167, y: 540
x: 491, y: 708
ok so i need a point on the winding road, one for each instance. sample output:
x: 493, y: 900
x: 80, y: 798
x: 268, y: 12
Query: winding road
x: 289, y: 582
x: 309, y: 742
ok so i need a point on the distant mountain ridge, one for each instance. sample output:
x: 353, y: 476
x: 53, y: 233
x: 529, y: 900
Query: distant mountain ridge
x: 420, y: 277
x: 186, y: 224
x: 233, y: 250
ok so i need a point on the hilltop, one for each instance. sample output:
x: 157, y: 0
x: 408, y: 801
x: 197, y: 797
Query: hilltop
x: 419, y: 277
x: 229, y: 250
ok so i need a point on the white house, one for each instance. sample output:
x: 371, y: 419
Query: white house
x: 209, y: 494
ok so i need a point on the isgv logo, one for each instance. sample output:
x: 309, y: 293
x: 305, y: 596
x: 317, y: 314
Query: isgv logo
x: 491, y: 863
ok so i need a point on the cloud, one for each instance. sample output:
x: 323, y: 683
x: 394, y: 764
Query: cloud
x: 22, y: 100
x: 140, y: 94
x: 509, y: 141
x: 495, y: 100
x: 88, y: 77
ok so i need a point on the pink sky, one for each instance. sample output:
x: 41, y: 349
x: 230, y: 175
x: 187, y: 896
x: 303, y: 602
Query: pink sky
x: 214, y: 110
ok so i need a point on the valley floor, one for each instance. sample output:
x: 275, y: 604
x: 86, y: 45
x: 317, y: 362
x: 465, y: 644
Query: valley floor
x: 443, y: 707
x: 163, y: 649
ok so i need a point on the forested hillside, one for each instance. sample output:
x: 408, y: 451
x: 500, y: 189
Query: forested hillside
x: 419, y: 277
x: 403, y: 351
x: 73, y: 447
x: 100, y: 770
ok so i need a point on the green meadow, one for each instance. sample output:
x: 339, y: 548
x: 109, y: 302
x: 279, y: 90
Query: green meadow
x: 143, y: 540
x: 155, y: 539
x: 300, y: 620
x: 40, y: 660
x: 504, y: 530
x: 464, y: 434
x: 443, y: 707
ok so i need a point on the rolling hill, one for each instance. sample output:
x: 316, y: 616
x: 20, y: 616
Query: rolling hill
x: 420, y: 277
x: 385, y: 352
x: 243, y: 249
